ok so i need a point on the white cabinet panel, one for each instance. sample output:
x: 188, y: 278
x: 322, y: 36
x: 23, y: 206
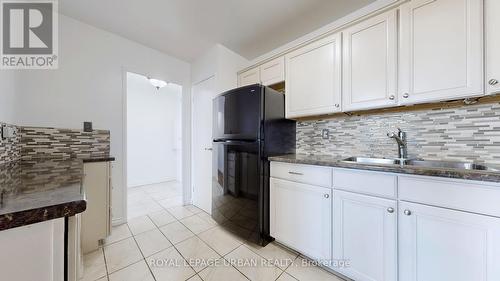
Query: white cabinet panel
x: 437, y: 244
x: 365, y: 234
x: 249, y: 77
x: 273, y: 72
x: 492, y: 24
x: 370, y: 63
x: 309, y: 174
x: 441, y: 50
x: 301, y: 217
x: 96, y: 219
x: 365, y: 182
x: 313, y: 78
x: 33, y: 252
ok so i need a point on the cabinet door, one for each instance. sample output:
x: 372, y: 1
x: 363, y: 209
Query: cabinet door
x: 273, y: 72
x: 370, y: 63
x: 365, y: 234
x: 313, y: 78
x: 437, y: 244
x: 249, y: 77
x: 301, y: 217
x: 441, y: 50
x: 492, y: 24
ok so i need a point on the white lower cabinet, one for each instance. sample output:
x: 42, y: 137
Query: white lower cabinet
x: 301, y: 217
x: 437, y: 244
x: 417, y: 228
x: 365, y: 236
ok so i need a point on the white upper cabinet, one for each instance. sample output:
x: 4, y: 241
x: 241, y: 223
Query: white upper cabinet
x: 370, y: 63
x: 441, y: 55
x: 249, y: 77
x: 492, y: 24
x: 365, y: 233
x: 437, y: 244
x: 313, y: 78
x: 273, y: 72
x: 301, y: 217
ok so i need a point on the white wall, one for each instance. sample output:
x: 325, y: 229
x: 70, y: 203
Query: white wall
x: 8, y: 89
x: 153, y: 131
x: 88, y: 86
x: 221, y: 62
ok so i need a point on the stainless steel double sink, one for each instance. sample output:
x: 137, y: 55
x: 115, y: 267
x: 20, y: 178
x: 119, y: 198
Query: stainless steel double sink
x: 419, y: 163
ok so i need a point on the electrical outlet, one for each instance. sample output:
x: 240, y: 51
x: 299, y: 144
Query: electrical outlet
x: 7, y: 132
x: 325, y: 134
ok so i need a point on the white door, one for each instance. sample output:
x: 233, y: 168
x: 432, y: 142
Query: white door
x: 301, y: 217
x: 441, y: 50
x: 437, y: 244
x: 365, y: 234
x: 313, y: 78
x: 370, y: 63
x: 492, y: 24
x: 249, y: 77
x: 203, y: 94
x: 273, y: 72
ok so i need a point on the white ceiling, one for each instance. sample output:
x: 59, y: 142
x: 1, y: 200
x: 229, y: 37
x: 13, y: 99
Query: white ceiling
x: 186, y: 28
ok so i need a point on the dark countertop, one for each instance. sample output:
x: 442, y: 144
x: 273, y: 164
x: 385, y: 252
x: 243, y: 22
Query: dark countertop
x: 98, y: 159
x: 333, y: 161
x: 37, y: 190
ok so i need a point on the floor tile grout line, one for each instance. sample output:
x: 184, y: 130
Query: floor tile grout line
x: 143, y: 257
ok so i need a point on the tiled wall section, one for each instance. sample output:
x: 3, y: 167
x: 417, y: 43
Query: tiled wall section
x: 9, y: 148
x: 63, y: 143
x: 441, y: 132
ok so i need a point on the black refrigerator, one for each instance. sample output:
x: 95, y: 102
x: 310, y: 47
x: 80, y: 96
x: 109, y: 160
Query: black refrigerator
x: 249, y: 126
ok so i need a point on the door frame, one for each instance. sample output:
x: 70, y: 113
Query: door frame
x: 186, y: 135
x: 191, y: 187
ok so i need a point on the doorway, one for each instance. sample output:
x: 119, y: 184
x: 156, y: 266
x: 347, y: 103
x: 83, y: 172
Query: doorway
x: 154, y: 145
x: 202, y: 108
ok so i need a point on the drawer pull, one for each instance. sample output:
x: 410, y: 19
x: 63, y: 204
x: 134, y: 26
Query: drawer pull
x: 327, y: 195
x: 407, y: 212
x: 390, y: 210
x: 295, y: 173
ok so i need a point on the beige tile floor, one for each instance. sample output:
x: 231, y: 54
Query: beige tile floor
x: 176, y: 242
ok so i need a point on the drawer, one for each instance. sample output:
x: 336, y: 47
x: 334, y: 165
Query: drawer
x: 366, y: 182
x: 313, y: 175
x: 469, y: 196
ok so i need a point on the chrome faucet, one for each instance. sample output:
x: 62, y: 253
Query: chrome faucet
x: 400, y: 138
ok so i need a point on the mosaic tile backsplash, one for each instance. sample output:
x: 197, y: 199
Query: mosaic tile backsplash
x: 9, y: 148
x: 38, y: 142
x: 439, y: 132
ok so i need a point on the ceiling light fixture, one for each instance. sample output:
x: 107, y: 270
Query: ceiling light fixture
x: 158, y: 84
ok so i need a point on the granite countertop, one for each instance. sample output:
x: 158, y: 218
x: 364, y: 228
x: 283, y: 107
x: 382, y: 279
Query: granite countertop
x: 37, y: 190
x: 332, y: 161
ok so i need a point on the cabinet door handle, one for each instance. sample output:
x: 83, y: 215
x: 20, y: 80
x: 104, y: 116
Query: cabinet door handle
x: 392, y: 97
x: 337, y: 105
x: 390, y: 210
x: 406, y: 95
x: 327, y: 195
x: 493, y: 82
x: 407, y: 212
x: 295, y: 173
